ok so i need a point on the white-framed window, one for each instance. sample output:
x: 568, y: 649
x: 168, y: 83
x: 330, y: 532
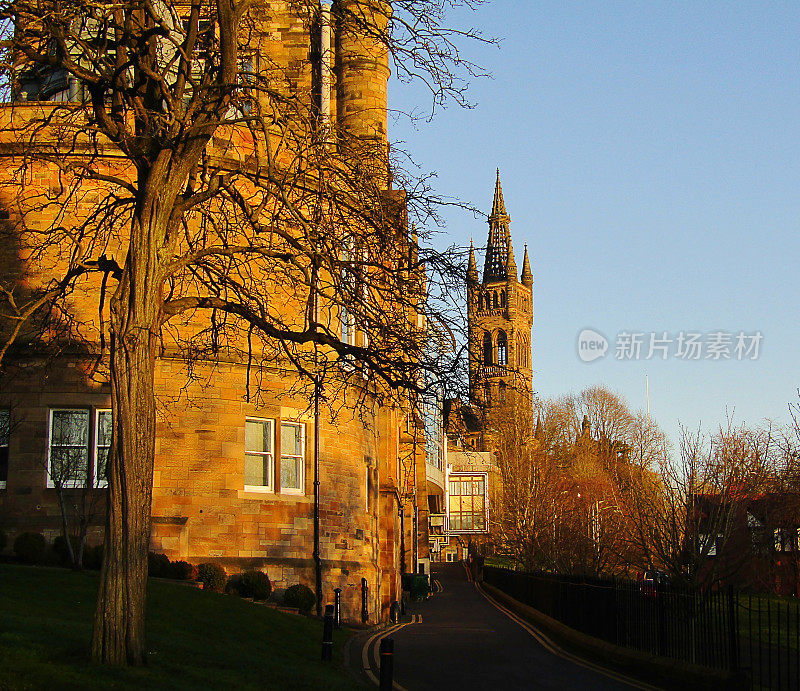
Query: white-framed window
x: 259, y: 458
x: 292, y: 458
x: 5, y: 433
x: 68, y: 447
x: 102, y: 445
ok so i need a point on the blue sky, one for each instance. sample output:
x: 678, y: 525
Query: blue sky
x: 650, y: 157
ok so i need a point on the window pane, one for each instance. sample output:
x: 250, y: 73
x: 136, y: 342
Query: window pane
x: 257, y: 469
x: 5, y: 426
x: 70, y: 428
x: 257, y: 435
x: 104, y: 428
x: 291, y: 439
x: 68, y: 465
x: 290, y: 476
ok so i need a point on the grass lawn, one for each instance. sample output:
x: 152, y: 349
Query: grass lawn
x: 770, y: 619
x: 196, y: 639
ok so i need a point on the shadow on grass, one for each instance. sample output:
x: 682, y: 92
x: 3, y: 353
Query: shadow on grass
x: 196, y: 639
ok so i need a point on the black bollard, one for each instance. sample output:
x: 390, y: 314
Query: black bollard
x: 387, y: 664
x: 327, y: 634
x: 337, y: 608
x: 364, y: 601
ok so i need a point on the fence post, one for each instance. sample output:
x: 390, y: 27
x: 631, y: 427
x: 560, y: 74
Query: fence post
x: 387, y: 664
x: 337, y: 607
x: 327, y: 635
x: 733, y: 631
x: 364, y: 601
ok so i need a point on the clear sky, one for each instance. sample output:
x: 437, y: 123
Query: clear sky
x: 650, y: 157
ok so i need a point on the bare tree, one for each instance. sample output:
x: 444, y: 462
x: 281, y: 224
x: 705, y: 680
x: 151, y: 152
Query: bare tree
x: 686, y: 510
x: 208, y: 209
x: 75, y: 479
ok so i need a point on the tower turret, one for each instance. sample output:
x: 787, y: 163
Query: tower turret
x: 472, y: 267
x: 527, y: 276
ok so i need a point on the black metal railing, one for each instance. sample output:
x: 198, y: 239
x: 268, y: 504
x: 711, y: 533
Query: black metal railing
x: 722, y: 629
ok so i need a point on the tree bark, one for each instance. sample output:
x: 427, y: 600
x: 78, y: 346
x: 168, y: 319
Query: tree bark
x: 119, y: 631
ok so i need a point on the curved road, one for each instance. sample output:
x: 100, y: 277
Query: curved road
x: 460, y: 640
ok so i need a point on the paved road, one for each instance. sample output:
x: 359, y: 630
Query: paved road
x: 464, y: 642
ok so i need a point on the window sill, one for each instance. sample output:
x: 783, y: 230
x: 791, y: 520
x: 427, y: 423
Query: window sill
x: 293, y: 492
x: 256, y: 495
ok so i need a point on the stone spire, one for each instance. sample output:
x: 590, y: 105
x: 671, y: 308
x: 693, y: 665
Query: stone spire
x: 498, y: 249
x: 527, y: 276
x: 472, y: 268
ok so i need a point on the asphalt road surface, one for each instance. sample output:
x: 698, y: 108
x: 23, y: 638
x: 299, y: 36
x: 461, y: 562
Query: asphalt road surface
x: 460, y: 640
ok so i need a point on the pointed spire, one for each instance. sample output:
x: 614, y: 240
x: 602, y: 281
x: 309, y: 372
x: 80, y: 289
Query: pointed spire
x: 498, y: 205
x: 527, y: 276
x: 472, y: 268
x: 511, y: 264
x: 496, y: 266
x: 539, y: 433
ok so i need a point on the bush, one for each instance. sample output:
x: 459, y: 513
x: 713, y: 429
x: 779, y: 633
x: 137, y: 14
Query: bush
x: 158, y: 565
x: 212, y: 576
x: 30, y: 547
x: 182, y: 571
x: 61, y: 550
x: 300, y: 596
x: 93, y: 557
x: 255, y: 584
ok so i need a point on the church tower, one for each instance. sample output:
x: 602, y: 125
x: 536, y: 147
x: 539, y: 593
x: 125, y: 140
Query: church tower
x: 500, y: 315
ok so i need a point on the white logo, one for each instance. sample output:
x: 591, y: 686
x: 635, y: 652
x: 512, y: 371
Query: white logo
x: 591, y: 345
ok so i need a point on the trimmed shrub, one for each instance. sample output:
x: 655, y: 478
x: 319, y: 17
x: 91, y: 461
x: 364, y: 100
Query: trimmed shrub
x: 182, y: 571
x: 30, y: 547
x: 300, y: 596
x: 61, y: 550
x: 93, y: 557
x: 255, y: 584
x: 158, y: 565
x: 212, y: 576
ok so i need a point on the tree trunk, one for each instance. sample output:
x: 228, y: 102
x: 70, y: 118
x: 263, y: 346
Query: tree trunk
x: 119, y: 626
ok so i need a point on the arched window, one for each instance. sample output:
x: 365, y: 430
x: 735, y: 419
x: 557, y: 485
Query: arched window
x: 501, y: 394
x: 494, y: 299
x: 502, y: 298
x: 487, y: 349
x: 502, y: 348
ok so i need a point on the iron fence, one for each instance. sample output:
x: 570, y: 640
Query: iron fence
x: 721, y: 629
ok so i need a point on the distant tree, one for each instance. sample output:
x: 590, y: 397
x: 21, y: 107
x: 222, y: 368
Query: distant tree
x: 686, y: 510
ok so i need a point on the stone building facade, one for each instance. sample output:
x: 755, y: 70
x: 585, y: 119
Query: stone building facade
x: 234, y: 465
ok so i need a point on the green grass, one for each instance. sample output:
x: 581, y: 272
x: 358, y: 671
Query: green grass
x: 765, y: 616
x: 499, y: 561
x: 195, y: 639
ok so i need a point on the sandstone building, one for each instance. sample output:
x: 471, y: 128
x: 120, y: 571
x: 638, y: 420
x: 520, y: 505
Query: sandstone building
x: 236, y: 428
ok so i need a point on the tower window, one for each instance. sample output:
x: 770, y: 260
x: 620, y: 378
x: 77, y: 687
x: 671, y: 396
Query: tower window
x: 487, y: 349
x: 495, y: 300
x: 502, y: 298
x: 502, y: 348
